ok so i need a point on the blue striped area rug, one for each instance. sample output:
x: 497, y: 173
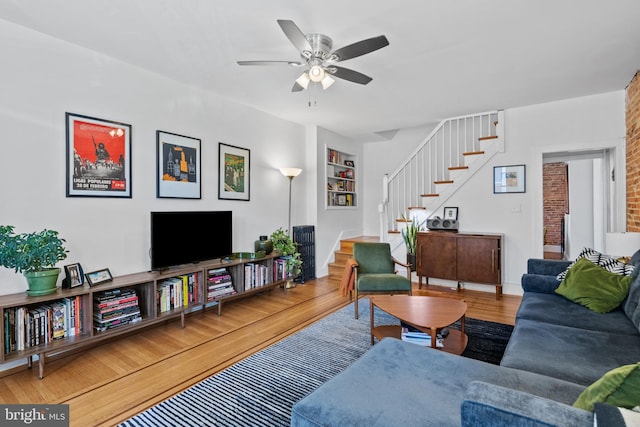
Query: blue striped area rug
x: 261, y: 389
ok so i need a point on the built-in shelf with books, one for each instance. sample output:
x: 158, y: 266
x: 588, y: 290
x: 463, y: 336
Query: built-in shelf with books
x: 71, y: 318
x: 342, y: 191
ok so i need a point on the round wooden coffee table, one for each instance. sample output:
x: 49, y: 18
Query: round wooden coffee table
x: 427, y: 314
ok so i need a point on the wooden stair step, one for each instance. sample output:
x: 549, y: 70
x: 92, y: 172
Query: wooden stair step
x: 456, y: 168
x: 448, y: 181
x: 484, y: 138
x: 430, y: 195
x: 342, y: 255
x: 472, y: 153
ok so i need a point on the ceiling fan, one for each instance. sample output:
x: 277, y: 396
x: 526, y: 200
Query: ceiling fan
x: 320, y: 60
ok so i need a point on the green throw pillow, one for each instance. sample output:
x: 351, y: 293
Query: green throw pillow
x: 594, y: 287
x: 618, y: 387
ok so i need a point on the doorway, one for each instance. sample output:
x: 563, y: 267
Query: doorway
x: 579, y: 199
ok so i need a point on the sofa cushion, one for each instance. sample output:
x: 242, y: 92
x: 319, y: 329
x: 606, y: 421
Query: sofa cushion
x: 594, y: 287
x: 612, y: 416
x: 557, y: 310
x: 572, y: 354
x: 619, y: 387
x: 490, y: 405
x: 608, y: 262
x: 631, y: 305
x: 397, y: 383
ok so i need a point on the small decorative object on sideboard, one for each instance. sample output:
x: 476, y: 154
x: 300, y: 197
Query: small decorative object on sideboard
x: 263, y: 245
x: 74, y: 276
x: 34, y: 255
x: 100, y: 276
x: 410, y: 235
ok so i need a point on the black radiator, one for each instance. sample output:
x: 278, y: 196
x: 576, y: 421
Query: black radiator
x: 304, y: 236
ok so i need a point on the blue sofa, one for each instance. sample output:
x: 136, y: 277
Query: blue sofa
x: 556, y: 350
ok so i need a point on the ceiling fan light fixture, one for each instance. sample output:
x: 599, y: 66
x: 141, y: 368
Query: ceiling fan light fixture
x: 303, y: 80
x: 327, y: 81
x: 316, y: 73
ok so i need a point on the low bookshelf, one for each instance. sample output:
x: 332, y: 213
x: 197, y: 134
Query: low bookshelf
x: 72, y: 318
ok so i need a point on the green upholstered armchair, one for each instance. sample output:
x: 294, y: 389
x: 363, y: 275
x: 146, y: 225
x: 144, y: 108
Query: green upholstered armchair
x: 375, y: 272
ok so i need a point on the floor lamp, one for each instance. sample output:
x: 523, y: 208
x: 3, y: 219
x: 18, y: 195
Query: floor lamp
x: 290, y: 173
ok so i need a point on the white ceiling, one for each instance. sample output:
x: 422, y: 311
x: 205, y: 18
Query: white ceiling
x: 446, y: 58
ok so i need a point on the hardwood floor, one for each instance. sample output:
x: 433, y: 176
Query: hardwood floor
x: 109, y: 383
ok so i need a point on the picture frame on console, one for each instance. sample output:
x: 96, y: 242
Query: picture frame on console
x: 234, y: 172
x: 509, y: 179
x: 450, y: 213
x: 74, y: 276
x: 98, y: 277
x: 98, y: 157
x: 178, y: 166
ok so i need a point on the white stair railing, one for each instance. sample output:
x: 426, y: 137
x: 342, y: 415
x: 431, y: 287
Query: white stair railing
x: 436, y: 163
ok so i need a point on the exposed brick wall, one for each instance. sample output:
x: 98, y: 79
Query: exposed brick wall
x: 633, y: 154
x: 554, y: 177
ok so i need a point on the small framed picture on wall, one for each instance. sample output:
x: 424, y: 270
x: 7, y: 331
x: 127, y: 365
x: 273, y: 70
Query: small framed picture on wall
x: 233, y: 172
x: 178, y: 168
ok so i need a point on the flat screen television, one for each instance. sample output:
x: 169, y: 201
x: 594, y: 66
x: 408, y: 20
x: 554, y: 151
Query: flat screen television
x: 179, y: 238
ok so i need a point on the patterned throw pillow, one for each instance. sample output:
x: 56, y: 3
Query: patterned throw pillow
x: 608, y: 262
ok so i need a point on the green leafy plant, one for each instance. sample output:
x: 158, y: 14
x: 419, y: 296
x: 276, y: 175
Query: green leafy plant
x: 28, y: 252
x: 410, y: 233
x: 284, y: 244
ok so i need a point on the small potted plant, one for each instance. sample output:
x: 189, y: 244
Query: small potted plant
x: 410, y: 236
x: 285, y: 246
x: 34, y: 255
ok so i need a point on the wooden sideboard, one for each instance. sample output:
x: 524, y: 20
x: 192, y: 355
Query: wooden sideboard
x: 463, y: 257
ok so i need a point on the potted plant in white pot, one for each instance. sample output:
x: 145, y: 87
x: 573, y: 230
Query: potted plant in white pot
x: 34, y: 255
x: 410, y: 237
x: 285, y: 246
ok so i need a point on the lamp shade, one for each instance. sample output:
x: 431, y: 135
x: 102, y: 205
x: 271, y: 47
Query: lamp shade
x: 327, y: 81
x: 291, y: 172
x: 316, y: 73
x: 303, y: 80
x: 621, y: 244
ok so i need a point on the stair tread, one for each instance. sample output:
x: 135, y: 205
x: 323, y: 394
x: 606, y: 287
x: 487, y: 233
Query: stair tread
x: 430, y: 195
x: 448, y: 181
x: 472, y: 153
x: 484, y: 138
x: 454, y: 168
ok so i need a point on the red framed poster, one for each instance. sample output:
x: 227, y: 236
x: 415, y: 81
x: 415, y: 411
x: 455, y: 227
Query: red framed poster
x: 98, y: 157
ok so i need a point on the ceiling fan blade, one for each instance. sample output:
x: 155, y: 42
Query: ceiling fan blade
x: 347, y: 74
x: 291, y: 63
x: 296, y: 37
x: 359, y: 48
x: 296, y: 87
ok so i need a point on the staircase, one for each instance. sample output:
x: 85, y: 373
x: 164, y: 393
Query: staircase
x: 450, y: 155
x: 336, y: 268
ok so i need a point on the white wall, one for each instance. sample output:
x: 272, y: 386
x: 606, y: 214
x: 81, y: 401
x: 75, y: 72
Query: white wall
x: 572, y: 125
x: 42, y: 78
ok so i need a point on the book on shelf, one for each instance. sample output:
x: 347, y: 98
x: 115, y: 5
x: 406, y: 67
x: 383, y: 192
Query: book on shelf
x: 115, y: 308
x: 103, y: 326
x: 57, y: 320
x: 113, y: 295
x: 217, y: 271
x: 220, y: 292
x: 219, y: 279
